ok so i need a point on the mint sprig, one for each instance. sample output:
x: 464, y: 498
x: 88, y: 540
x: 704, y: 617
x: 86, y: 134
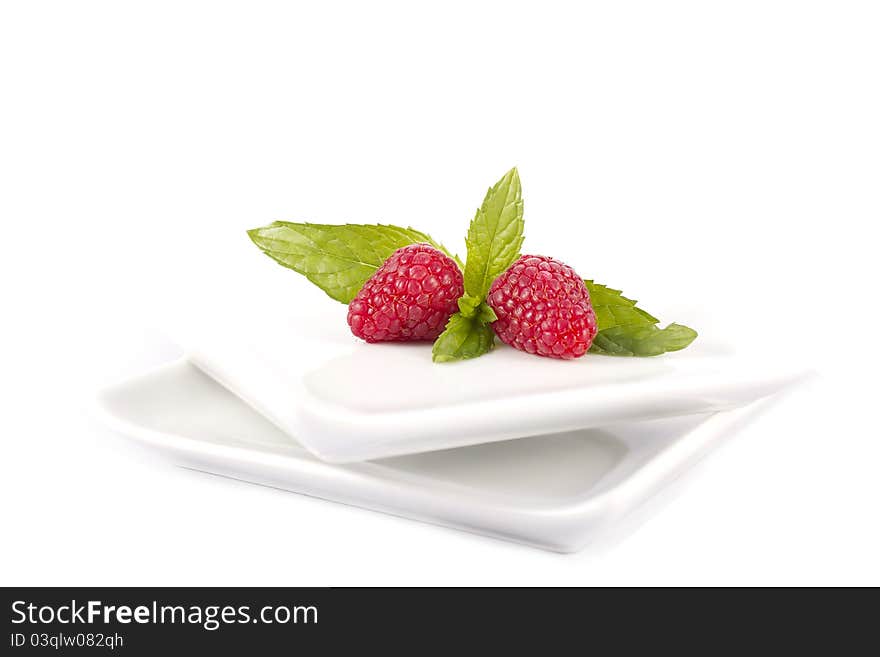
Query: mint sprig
x: 338, y: 259
x: 493, y: 242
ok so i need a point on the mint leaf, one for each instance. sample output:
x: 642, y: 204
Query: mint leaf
x: 464, y: 337
x: 647, y: 340
x: 602, y: 294
x: 614, y: 309
x: 611, y: 316
x: 468, y: 305
x: 493, y: 242
x: 626, y: 330
x: 495, y: 235
x: 338, y: 259
x: 487, y: 314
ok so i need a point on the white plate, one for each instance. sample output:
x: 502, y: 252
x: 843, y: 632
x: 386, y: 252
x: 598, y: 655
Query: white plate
x: 553, y: 492
x: 346, y: 401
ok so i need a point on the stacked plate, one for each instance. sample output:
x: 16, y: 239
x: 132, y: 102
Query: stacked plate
x: 533, y: 450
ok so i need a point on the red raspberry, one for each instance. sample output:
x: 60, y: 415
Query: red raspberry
x: 410, y: 297
x: 543, y: 308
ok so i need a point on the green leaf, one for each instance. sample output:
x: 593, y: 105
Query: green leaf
x: 493, y: 242
x: 338, y: 259
x: 602, y: 294
x: 614, y: 309
x: 487, y: 313
x: 464, y: 337
x: 611, y: 316
x: 495, y: 235
x: 647, y: 340
x: 626, y: 330
x: 468, y: 305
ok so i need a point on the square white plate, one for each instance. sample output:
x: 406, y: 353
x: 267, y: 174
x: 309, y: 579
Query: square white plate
x: 553, y: 492
x: 344, y: 400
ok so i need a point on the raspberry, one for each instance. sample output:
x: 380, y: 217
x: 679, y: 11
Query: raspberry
x: 543, y: 308
x: 410, y: 297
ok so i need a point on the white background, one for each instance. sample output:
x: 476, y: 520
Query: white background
x: 715, y: 156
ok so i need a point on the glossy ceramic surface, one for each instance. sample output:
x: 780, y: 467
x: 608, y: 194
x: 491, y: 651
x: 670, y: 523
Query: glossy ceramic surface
x: 551, y: 491
x: 344, y: 400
